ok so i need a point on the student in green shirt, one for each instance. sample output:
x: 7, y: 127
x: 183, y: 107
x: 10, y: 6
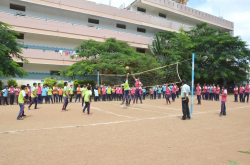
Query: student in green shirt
x: 65, y: 96
x: 21, y: 99
x: 50, y: 95
x: 109, y: 93
x: 33, y: 96
x: 84, y: 89
x: 126, y: 91
x: 87, y: 100
x: 71, y: 93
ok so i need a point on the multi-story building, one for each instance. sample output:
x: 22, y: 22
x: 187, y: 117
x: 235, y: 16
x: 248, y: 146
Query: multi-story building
x: 48, y: 27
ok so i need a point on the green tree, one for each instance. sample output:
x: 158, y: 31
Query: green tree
x: 110, y: 57
x: 12, y: 82
x: 1, y: 85
x: 9, y: 49
x: 218, y: 55
x: 50, y: 81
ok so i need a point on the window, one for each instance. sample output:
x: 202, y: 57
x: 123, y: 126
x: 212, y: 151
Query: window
x: 95, y: 21
x: 163, y: 15
x: 20, y: 36
x: 141, y: 9
x: 140, y: 50
x: 17, y: 7
x: 54, y: 73
x: 20, y: 64
x: 121, y: 26
x: 141, y: 30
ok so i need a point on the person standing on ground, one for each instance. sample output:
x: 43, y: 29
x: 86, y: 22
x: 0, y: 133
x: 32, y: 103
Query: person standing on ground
x: 71, y: 93
x: 198, y: 89
x: 184, y: 96
x: 21, y: 100
x: 247, y: 91
x: 5, y: 95
x: 241, y: 92
x: 235, y: 93
x: 17, y: 90
x: 12, y: 95
x: 33, y: 96
x: 137, y: 86
x: 65, y: 96
x: 39, y: 93
x: 126, y: 91
x: 223, y: 100
x: 87, y: 100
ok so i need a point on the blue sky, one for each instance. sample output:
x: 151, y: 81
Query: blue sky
x: 236, y: 11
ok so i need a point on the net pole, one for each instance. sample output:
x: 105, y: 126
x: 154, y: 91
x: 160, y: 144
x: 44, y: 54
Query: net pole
x: 192, y: 89
x: 98, y: 77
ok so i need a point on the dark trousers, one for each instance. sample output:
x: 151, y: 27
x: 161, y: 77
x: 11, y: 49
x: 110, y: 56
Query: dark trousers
x: 12, y: 98
x: 104, y: 97
x: 199, y: 99
x: 167, y: 98
x: 163, y: 94
x: 82, y: 101
x: 203, y: 96
x: 50, y: 98
x: 120, y: 97
x: 26, y: 97
x: 241, y: 97
x: 173, y: 97
x: 65, y: 103
x: 60, y: 98
x: 159, y: 95
x: 126, y: 92
x: 117, y: 97
x: 96, y: 98
x: 177, y: 94
x: 213, y: 96
x: 55, y: 98
x: 235, y: 97
x: 185, y: 108
x: 70, y: 100
x: 99, y: 97
x: 0, y: 100
x: 151, y: 96
x: 206, y: 95
x: 44, y: 98
x: 246, y: 95
x: 78, y: 96
x: 210, y: 96
x: 154, y: 94
x: 217, y: 97
x: 86, y: 106
x: 39, y: 98
x: 113, y: 96
x: 108, y: 97
x: 144, y: 95
x: 223, y: 108
x: 137, y: 95
x: 33, y: 100
x: 5, y: 101
x: 21, y: 112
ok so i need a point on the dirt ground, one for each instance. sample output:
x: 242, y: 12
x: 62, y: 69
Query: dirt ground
x: 151, y: 133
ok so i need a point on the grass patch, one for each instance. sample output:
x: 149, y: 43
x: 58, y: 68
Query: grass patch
x: 233, y: 162
x: 6, y: 132
x: 245, y: 152
x: 77, y: 126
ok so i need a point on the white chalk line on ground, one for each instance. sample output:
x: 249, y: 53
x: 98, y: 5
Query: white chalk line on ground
x: 115, y: 122
x: 131, y: 107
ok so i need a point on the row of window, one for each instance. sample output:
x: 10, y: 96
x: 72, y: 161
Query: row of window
x: 144, y: 11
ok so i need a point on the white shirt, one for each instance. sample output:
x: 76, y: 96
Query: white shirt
x: 54, y: 88
x: 185, y: 89
x: 23, y: 93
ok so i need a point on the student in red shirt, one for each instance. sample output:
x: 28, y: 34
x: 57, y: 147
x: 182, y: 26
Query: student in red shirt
x: 236, y: 93
x: 204, y: 91
x: 198, y: 89
x: 247, y: 91
x: 241, y: 92
x: 217, y: 93
x: 223, y: 100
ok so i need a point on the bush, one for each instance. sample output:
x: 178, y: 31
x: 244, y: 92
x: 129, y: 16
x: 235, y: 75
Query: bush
x: 61, y: 84
x: 81, y: 82
x: 50, y: 81
x: 1, y: 85
x: 12, y: 82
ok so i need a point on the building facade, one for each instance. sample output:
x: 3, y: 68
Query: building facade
x: 51, y: 29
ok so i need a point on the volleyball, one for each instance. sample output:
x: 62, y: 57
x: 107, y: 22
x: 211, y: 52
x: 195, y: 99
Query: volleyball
x: 127, y: 68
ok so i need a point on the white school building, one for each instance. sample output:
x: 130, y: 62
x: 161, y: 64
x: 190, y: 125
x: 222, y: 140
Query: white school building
x: 51, y: 29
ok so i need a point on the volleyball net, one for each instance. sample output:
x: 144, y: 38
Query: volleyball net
x: 158, y: 76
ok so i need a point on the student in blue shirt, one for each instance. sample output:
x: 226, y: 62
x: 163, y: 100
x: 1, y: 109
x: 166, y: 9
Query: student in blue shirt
x: 144, y: 93
x: 5, y: 95
x: 164, y: 91
x: 210, y: 92
x: 155, y: 92
x: 44, y: 94
x: 159, y: 92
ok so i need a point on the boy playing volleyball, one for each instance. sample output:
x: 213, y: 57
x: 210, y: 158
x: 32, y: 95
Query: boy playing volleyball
x: 87, y: 99
x: 21, y: 99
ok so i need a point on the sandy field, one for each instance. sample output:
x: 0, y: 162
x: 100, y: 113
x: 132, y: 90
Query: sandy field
x: 151, y: 133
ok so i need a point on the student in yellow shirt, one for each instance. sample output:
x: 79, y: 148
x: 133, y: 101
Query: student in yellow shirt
x: 87, y: 100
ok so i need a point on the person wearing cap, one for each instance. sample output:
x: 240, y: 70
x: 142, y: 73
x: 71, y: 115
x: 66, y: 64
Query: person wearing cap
x: 184, y: 96
x: 21, y: 99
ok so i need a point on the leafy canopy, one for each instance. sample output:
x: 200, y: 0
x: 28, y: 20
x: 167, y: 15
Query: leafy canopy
x: 9, y: 49
x: 217, y: 55
x: 110, y: 57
